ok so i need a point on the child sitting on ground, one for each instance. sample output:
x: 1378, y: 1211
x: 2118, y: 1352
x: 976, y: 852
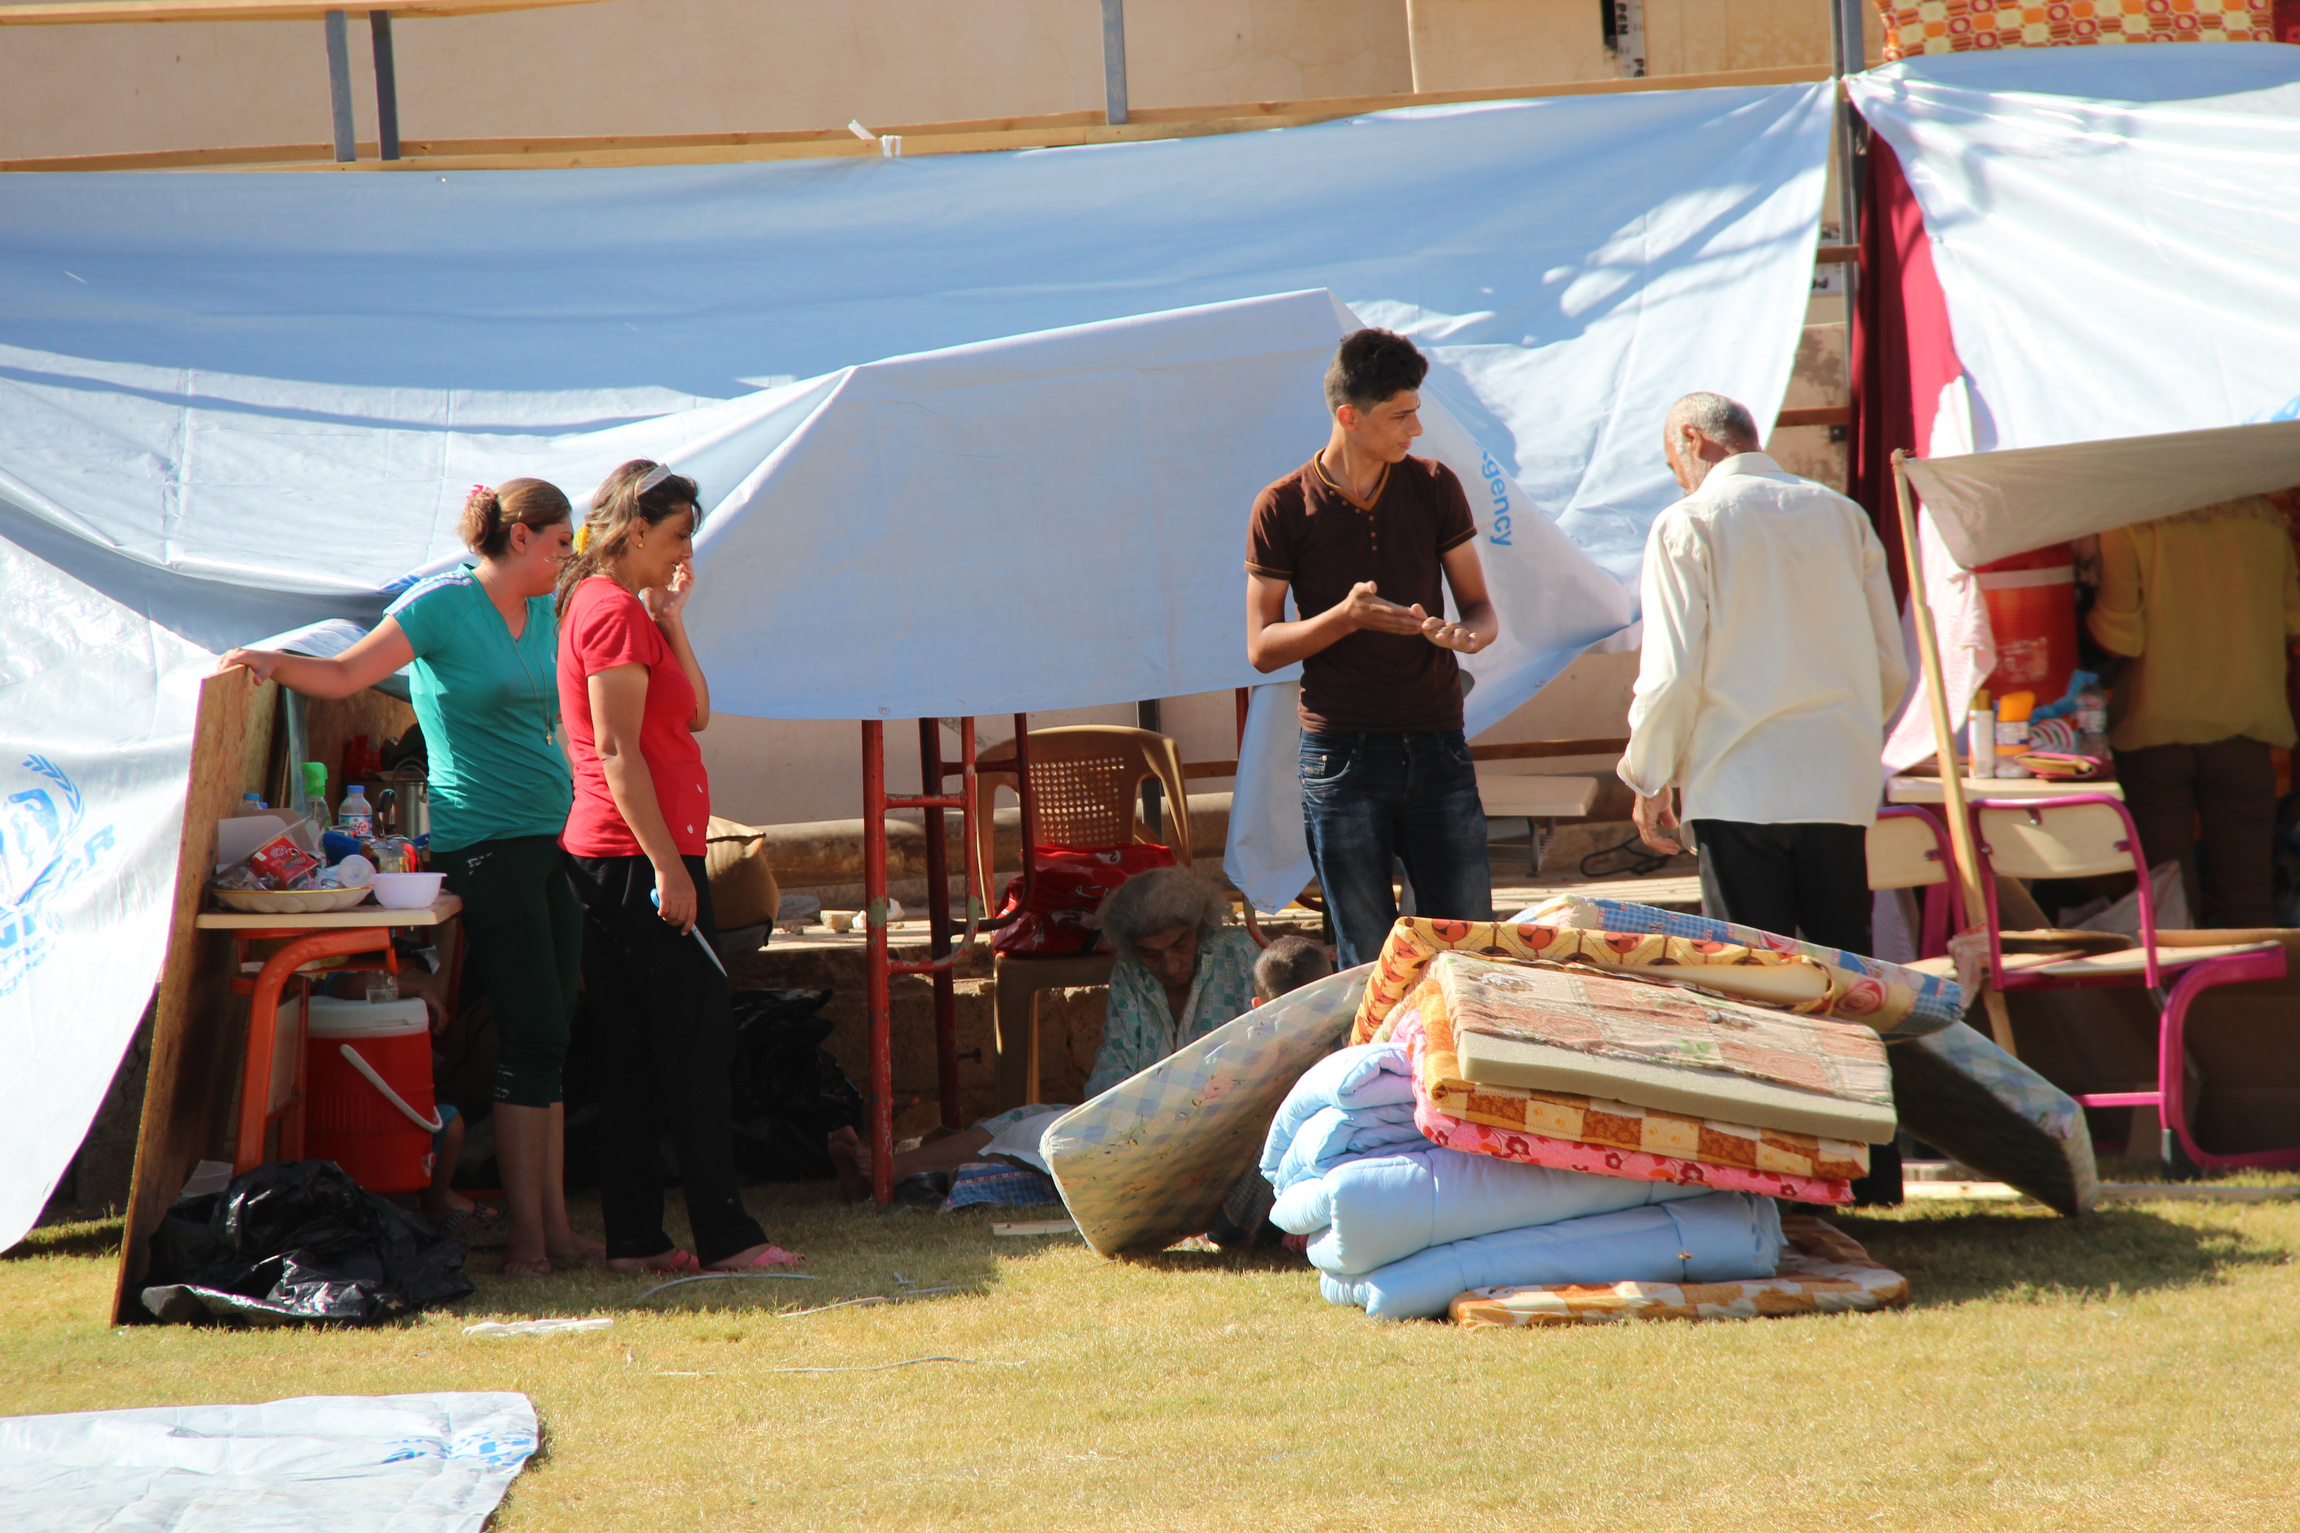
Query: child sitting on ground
x: 1286, y: 965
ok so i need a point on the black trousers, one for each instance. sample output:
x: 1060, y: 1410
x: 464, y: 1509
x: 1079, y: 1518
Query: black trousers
x: 667, y: 1036
x: 1809, y: 881
x: 1797, y: 880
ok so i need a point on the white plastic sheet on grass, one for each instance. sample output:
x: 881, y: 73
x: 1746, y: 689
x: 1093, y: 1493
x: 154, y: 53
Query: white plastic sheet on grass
x: 430, y: 1463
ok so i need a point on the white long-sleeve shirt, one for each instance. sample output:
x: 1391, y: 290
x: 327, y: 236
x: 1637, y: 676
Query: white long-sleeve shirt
x: 1772, y: 652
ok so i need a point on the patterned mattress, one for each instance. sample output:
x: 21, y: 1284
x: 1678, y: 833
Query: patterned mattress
x: 1549, y: 1028
x: 1913, y: 1003
x: 1824, y: 1272
x: 1152, y: 1159
x: 1574, y: 1133
x: 1755, y: 972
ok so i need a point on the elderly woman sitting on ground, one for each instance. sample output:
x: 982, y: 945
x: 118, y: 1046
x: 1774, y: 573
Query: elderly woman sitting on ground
x: 1182, y: 971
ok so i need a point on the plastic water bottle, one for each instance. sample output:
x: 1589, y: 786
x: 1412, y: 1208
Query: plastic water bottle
x: 315, y: 797
x: 353, y: 816
x: 2092, y: 721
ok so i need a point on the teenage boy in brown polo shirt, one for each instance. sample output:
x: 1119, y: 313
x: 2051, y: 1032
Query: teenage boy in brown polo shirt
x: 1367, y: 537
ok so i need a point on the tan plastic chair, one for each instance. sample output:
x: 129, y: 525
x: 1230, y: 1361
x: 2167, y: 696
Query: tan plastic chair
x: 1086, y: 786
x: 1909, y: 849
x: 1086, y: 781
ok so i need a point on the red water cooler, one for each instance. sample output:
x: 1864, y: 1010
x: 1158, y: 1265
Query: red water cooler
x: 367, y: 1091
x: 2031, y: 599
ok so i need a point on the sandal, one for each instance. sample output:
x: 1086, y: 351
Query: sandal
x: 475, y: 1225
x: 675, y: 1261
x: 772, y: 1256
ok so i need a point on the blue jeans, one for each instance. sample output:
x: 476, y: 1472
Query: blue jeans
x: 1371, y: 799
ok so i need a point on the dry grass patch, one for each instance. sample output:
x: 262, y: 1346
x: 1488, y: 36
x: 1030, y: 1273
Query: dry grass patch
x: 2130, y: 1370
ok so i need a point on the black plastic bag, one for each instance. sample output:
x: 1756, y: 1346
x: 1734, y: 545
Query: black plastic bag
x: 298, y: 1241
x: 790, y: 1095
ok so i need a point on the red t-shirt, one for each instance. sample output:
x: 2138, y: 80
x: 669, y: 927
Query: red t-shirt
x: 606, y: 626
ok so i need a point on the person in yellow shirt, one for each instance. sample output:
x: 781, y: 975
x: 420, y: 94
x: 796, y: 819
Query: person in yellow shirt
x: 2204, y: 605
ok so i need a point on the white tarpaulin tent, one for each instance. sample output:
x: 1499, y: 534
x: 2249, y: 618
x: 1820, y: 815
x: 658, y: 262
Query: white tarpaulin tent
x: 977, y: 432
x: 2114, y: 231
x: 1993, y: 504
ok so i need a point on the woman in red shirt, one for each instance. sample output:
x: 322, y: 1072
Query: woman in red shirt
x: 634, y: 699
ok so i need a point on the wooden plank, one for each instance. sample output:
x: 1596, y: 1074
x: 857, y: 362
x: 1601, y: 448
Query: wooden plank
x: 1522, y: 750
x: 189, y: 1093
x: 1542, y: 750
x: 92, y: 12
x: 1027, y: 1227
x: 1968, y: 868
x: 981, y: 135
x: 1837, y: 255
x: 1356, y: 106
x: 1815, y: 415
x: 442, y: 909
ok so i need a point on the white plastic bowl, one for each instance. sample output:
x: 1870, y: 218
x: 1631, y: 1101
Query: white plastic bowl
x: 407, y: 891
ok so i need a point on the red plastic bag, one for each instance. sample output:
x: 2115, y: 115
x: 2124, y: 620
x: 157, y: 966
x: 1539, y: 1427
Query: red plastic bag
x: 1072, y: 882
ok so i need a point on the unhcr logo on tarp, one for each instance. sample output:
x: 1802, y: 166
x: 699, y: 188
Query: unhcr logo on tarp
x: 42, y: 853
x: 1498, y: 489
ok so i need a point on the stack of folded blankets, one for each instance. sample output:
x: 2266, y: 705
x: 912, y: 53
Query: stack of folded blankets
x: 1514, y: 1124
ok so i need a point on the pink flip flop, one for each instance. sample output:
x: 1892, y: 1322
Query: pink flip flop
x: 772, y: 1256
x: 674, y: 1261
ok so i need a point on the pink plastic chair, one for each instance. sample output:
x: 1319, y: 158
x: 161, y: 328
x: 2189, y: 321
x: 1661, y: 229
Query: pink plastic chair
x: 1909, y: 849
x: 2083, y: 836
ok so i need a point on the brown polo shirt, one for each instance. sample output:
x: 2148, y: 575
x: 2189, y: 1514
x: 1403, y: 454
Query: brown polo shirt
x: 1312, y: 534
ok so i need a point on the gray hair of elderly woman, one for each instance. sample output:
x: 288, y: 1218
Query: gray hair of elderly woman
x: 1160, y: 900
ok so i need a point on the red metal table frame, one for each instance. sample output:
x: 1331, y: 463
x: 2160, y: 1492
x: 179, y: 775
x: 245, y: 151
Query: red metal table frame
x: 880, y: 966
x: 362, y: 929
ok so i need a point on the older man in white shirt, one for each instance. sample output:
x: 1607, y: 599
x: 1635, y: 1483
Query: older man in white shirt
x: 1772, y: 658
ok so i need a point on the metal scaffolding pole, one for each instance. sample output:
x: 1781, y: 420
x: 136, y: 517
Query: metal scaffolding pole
x: 1114, y: 61
x: 386, y: 84
x: 339, y: 85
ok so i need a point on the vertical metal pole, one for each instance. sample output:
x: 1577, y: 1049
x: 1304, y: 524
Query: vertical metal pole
x: 339, y: 86
x: 1114, y: 61
x: 1146, y: 717
x: 1846, y: 23
x: 938, y: 924
x: 386, y: 84
x: 875, y: 998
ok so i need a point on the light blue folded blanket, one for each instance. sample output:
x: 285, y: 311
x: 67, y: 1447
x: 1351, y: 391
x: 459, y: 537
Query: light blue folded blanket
x: 1370, y: 1210
x: 1331, y: 1138
x: 1719, y: 1237
x: 1369, y: 1077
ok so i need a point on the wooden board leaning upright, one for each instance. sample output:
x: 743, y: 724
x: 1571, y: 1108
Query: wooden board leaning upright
x: 1945, y: 743
x: 190, y: 1083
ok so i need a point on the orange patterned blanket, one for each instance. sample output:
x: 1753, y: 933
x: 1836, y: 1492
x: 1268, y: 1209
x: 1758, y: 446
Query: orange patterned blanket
x: 1825, y: 1272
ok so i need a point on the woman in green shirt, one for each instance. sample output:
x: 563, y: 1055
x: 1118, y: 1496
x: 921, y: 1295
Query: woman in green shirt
x: 482, y: 640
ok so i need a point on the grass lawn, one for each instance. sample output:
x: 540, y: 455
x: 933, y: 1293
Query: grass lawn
x: 2139, y: 1368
